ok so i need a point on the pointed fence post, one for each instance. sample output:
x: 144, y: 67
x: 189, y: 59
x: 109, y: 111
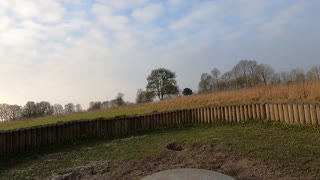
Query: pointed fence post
x: 296, y: 118
x: 307, y: 113
x: 301, y: 114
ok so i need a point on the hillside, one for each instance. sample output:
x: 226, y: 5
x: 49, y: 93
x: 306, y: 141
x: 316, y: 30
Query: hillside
x: 308, y: 91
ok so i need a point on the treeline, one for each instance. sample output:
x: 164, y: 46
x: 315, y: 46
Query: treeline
x: 35, y: 109
x: 249, y: 73
x: 118, y: 101
x: 39, y: 109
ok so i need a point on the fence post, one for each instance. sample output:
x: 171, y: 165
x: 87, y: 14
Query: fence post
x: 286, y: 113
x: 242, y: 118
x: 22, y: 140
x: 254, y: 112
x: 295, y: 113
x: 307, y: 113
x: 268, y: 114
x: 281, y: 114
x: 291, y: 115
x: 246, y: 115
x: 258, y: 113
x: 262, y: 111
x: 318, y: 113
x: 28, y: 138
x: 8, y: 141
x: 301, y: 114
x: 313, y: 115
x: 226, y: 114
x: 237, y: 113
x: 276, y: 112
x: 2, y: 142
x: 272, y: 113
x: 250, y: 114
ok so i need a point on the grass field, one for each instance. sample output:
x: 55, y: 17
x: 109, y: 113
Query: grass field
x: 292, y: 92
x: 286, y: 149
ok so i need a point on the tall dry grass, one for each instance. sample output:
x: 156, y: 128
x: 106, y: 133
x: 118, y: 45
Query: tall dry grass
x: 304, y: 91
x: 308, y: 91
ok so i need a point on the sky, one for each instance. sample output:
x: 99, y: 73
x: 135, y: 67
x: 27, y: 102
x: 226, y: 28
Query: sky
x: 79, y: 51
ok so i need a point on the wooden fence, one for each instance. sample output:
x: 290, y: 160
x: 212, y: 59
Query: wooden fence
x: 20, y: 140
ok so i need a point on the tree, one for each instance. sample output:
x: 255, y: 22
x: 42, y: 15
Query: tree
x: 205, y: 84
x: 162, y: 82
x: 69, y: 108
x: 187, y: 92
x: 29, y: 110
x: 57, y: 109
x: 94, y: 105
x: 119, y: 99
x: 297, y: 75
x: 265, y: 73
x: 144, y: 96
x: 314, y: 73
x: 78, y: 108
x: 215, y: 74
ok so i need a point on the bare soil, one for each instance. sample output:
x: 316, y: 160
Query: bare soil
x: 180, y: 155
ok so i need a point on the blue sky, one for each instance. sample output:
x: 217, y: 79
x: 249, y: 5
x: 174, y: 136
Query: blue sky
x: 80, y: 51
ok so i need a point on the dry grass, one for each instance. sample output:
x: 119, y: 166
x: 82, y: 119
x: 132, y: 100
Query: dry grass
x: 308, y: 91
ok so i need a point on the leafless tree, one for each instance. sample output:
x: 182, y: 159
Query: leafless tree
x: 57, y: 109
x: 205, y: 84
x: 265, y: 73
x: 314, y: 73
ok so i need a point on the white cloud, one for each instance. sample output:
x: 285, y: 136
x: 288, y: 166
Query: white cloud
x: 44, y: 11
x: 148, y: 13
x: 200, y: 12
x: 276, y: 26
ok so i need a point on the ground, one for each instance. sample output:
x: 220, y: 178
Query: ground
x: 251, y: 150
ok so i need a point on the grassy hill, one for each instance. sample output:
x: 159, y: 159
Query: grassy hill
x: 308, y: 91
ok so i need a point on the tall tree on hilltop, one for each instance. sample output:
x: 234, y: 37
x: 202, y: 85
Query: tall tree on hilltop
x: 162, y: 82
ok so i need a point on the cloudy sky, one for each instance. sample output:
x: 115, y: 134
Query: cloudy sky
x: 88, y: 50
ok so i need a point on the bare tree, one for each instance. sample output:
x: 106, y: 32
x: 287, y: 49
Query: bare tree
x: 205, y: 84
x: 78, y: 108
x: 297, y: 75
x: 144, y: 96
x: 265, y: 73
x: 69, y: 108
x: 57, y: 109
x: 285, y: 77
x: 314, y: 73
x: 215, y: 74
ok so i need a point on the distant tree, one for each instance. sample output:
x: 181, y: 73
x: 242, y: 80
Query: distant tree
x: 105, y: 104
x: 144, y: 96
x: 205, y: 84
x: 69, y: 108
x: 215, y: 74
x: 44, y: 108
x: 57, y: 109
x: 187, y: 92
x: 78, y: 108
x: 162, y: 82
x: 314, y: 73
x: 265, y: 73
x: 95, y: 105
x: 119, y: 99
x: 29, y: 110
x: 297, y: 75
x: 285, y: 77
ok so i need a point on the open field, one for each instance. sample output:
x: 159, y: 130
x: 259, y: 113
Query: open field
x: 243, y: 150
x: 292, y: 92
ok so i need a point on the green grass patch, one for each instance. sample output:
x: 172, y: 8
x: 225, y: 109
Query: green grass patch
x: 280, y: 145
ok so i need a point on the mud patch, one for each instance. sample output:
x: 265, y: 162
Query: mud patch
x: 175, y: 155
x: 95, y: 170
x: 175, y: 146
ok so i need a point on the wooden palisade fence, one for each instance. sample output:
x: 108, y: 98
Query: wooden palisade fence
x: 20, y: 140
